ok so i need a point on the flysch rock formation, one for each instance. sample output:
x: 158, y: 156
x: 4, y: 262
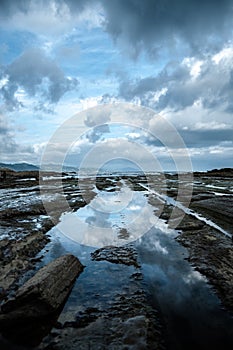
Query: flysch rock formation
x: 39, y: 301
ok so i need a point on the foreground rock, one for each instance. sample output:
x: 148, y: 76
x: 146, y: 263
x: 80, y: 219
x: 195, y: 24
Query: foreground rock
x: 219, y: 209
x: 128, y: 324
x: 211, y: 253
x: 16, y: 257
x: 39, y: 301
x: 108, y: 317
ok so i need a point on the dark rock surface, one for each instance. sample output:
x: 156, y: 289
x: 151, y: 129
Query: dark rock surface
x: 211, y: 253
x: 129, y: 322
x: 17, y: 258
x: 219, y: 209
x: 25, y: 221
x: 224, y: 172
x: 118, y: 255
x: 108, y: 333
x: 39, y: 300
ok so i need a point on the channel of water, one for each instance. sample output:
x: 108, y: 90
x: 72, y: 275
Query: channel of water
x: 191, y: 312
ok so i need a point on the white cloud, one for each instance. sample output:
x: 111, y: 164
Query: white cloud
x: 212, y: 125
x: 226, y: 54
x: 133, y: 135
x: 194, y: 66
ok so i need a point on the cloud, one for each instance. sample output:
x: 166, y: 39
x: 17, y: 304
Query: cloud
x: 205, y: 138
x: 68, y: 53
x: 98, y: 118
x: 9, y: 7
x: 7, y: 142
x: 135, y: 25
x: 38, y: 76
x: 11, y: 150
x: 49, y: 18
x: 153, y: 25
x: 171, y: 78
x: 182, y: 84
x: 217, y: 156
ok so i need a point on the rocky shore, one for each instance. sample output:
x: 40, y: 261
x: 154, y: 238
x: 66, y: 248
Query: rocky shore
x: 36, y: 305
x: 25, y: 222
x: 210, y: 251
x: 129, y: 321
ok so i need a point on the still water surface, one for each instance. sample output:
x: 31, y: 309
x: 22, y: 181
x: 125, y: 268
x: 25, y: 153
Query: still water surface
x: 191, y: 312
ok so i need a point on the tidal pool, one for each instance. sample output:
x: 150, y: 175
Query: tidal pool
x: 191, y: 313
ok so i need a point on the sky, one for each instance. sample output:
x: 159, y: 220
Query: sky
x: 60, y: 58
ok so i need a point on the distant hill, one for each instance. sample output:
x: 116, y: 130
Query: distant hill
x: 120, y: 165
x: 126, y: 170
x: 19, y: 166
x: 57, y: 168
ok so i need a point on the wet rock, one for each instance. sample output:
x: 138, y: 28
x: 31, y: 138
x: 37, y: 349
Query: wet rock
x: 189, y: 223
x: 118, y: 255
x: 38, y: 302
x: 137, y: 276
x: 129, y: 323
x: 50, y: 285
x: 103, y: 183
x: 15, y: 257
x: 10, y: 213
x: 224, y: 172
x: 202, y: 196
x: 211, y: 253
x: 83, y: 319
x: 219, y: 209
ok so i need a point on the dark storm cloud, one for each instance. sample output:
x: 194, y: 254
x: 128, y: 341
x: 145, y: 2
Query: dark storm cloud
x: 205, y: 138
x: 38, y: 75
x: 213, y: 86
x: 7, y: 7
x: 172, y: 77
x: 151, y: 24
x: 198, y: 138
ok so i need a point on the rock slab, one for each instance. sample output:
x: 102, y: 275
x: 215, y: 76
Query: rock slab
x: 41, y: 298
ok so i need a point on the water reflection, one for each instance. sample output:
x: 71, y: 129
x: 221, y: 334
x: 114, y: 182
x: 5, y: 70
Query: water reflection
x: 111, y: 218
x: 191, y: 311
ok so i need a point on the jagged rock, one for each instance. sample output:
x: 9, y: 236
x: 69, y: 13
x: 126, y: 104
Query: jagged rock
x: 39, y: 301
x: 15, y: 257
x: 212, y: 255
x: 189, y: 224
x: 118, y: 255
x: 218, y: 208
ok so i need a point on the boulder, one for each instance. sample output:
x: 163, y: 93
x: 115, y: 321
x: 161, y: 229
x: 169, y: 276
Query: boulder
x: 39, y: 301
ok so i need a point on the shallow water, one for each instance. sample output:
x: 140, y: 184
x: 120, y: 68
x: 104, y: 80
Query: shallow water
x: 111, y: 218
x: 192, y: 313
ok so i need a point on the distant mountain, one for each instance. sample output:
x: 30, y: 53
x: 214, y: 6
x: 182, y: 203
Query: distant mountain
x: 19, y: 166
x: 121, y: 170
x: 120, y: 165
x: 58, y: 168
